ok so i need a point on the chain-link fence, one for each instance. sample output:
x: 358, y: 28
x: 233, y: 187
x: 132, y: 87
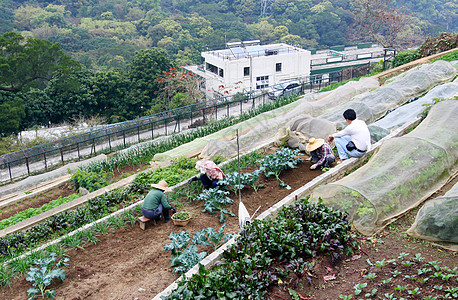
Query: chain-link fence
x: 40, y: 158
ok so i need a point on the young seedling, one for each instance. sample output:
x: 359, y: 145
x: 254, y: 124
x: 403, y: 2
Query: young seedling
x: 359, y: 288
x: 418, y: 257
x: 407, y: 263
x: 446, y: 277
x: 345, y: 297
x: 400, y: 288
x: 423, y: 280
x: 386, y: 281
x: 370, y: 275
x: 389, y: 296
x: 380, y: 263
x: 451, y: 292
x: 435, y: 264
x: 402, y: 255
x: 423, y: 271
x: 396, y: 273
x: 414, y: 292
x: 371, y: 294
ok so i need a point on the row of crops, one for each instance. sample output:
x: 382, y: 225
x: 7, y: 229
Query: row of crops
x: 213, y: 200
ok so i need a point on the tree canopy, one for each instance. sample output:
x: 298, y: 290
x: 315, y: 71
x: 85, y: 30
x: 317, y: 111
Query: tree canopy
x: 30, y: 63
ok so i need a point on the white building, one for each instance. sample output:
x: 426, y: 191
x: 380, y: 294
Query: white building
x: 248, y: 66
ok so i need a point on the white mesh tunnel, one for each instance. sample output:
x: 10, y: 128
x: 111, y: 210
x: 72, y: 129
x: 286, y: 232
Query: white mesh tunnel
x: 266, y: 128
x: 410, y: 111
x: 411, y: 84
x: 437, y: 220
x: 402, y: 174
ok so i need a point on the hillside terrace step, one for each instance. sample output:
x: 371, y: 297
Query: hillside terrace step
x: 32, y: 192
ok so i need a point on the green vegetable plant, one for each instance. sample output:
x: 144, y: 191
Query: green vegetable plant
x: 43, y: 274
x: 210, y: 237
x: 185, y: 253
x: 215, y: 198
x: 274, y: 164
x: 181, y: 215
x: 251, y: 265
x: 359, y: 288
x: 232, y: 180
x: 91, y: 181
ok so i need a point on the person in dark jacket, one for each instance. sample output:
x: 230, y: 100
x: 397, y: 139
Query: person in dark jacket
x: 209, y: 174
x: 155, y: 203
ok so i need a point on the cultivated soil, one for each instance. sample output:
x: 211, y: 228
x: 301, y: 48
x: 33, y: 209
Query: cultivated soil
x: 129, y: 263
x: 62, y: 191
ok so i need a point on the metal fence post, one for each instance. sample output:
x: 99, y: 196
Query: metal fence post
x: 109, y: 140
x: 78, y: 149
x: 46, y: 165
x: 138, y: 131
x: 9, y: 170
x: 61, y: 155
x: 124, y: 137
x: 27, y: 163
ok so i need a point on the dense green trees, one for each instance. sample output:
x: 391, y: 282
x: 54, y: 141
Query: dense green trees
x: 120, y: 47
x: 104, y: 34
x: 40, y: 84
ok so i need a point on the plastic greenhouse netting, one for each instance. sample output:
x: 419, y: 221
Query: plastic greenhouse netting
x: 437, y: 220
x: 410, y: 111
x: 400, y: 175
x: 398, y: 91
x: 266, y: 128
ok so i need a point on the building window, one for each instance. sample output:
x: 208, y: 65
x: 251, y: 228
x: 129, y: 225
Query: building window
x: 261, y: 86
x: 278, y: 67
x: 212, y: 68
x: 262, y: 78
x: 246, y: 71
x: 221, y: 72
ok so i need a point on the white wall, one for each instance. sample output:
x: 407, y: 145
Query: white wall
x: 294, y: 65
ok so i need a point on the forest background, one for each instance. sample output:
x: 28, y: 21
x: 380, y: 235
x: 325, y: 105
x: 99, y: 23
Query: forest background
x: 119, y: 59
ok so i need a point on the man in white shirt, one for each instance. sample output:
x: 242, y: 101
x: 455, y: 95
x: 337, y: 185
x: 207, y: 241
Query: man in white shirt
x: 354, y: 140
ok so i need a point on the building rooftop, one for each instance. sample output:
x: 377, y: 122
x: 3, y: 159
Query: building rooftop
x: 240, y: 50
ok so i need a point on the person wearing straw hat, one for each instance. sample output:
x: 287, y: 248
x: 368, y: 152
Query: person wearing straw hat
x: 321, y: 154
x: 155, y: 203
x: 210, y: 174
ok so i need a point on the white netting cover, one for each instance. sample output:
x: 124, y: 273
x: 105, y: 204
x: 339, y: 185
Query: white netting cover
x: 412, y: 84
x: 268, y: 128
x: 402, y: 174
x: 410, y: 111
x: 437, y: 220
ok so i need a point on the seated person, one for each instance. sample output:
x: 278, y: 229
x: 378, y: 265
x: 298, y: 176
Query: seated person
x: 354, y: 140
x: 155, y: 203
x: 321, y: 154
x: 209, y: 174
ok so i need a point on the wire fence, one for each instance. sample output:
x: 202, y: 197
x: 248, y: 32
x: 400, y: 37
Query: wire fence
x: 41, y: 158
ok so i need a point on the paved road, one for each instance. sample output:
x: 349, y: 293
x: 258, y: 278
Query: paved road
x: 38, y: 165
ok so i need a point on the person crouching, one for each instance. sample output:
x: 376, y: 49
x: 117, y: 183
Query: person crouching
x: 321, y: 154
x: 155, y: 203
x: 209, y: 174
